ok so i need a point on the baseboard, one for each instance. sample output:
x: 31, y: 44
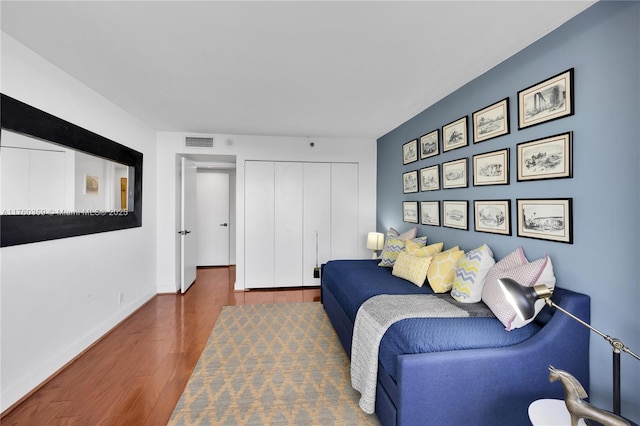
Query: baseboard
x: 167, y: 289
x: 32, y: 382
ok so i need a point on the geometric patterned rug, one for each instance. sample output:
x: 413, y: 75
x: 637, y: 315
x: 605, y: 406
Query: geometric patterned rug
x: 271, y: 364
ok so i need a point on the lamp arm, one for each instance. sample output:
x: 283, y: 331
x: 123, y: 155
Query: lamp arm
x: 616, y: 344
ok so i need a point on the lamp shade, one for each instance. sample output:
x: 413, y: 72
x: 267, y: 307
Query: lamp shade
x: 375, y: 241
x: 522, y: 298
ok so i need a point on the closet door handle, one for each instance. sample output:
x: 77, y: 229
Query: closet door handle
x: 224, y: 224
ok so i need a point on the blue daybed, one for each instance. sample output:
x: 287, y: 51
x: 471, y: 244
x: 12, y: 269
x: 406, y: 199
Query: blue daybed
x: 458, y: 371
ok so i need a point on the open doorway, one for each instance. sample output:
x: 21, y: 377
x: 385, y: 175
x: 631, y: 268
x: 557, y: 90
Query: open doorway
x: 213, y: 212
x: 214, y: 208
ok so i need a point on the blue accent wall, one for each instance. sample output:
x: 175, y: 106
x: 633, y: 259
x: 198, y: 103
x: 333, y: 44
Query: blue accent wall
x: 602, y: 45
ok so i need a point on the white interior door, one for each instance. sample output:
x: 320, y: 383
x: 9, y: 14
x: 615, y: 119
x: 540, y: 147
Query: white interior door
x: 188, y: 242
x: 213, y: 218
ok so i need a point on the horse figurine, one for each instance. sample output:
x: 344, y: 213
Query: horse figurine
x: 574, y: 395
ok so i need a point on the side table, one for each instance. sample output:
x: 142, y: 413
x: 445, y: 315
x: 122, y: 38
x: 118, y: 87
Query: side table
x: 550, y: 412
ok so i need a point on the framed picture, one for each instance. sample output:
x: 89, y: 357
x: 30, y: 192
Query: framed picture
x: 410, y: 211
x: 410, y: 152
x: 455, y: 214
x: 91, y: 185
x: 454, y: 134
x: 491, y: 122
x: 430, y: 178
x: 547, y: 158
x: 548, y: 100
x: 492, y: 216
x: 410, y: 182
x: 430, y: 144
x: 430, y: 213
x: 491, y: 168
x: 454, y: 174
x: 546, y: 219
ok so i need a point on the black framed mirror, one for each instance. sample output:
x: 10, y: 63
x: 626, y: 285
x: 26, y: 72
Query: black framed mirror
x: 60, y: 180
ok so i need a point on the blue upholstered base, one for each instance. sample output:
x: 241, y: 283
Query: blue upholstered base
x: 476, y: 386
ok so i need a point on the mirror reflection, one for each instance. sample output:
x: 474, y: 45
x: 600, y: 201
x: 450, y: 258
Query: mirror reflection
x: 39, y: 177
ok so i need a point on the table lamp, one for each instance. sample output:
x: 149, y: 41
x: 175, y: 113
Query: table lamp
x: 522, y: 299
x: 375, y: 242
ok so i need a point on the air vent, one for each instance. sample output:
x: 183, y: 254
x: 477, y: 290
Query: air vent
x: 198, y: 142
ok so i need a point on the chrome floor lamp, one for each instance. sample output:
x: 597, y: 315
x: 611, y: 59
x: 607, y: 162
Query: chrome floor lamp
x: 523, y: 299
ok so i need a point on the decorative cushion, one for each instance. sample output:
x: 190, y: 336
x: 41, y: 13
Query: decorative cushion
x: 414, y: 248
x: 470, y: 274
x: 411, y: 233
x: 421, y: 241
x: 443, y: 268
x: 393, y: 246
x: 527, y: 274
x: 411, y: 268
x: 491, y: 292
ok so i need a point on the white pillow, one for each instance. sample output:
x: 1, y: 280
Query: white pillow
x: 471, y: 272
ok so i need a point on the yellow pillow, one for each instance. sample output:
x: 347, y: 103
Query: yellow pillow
x: 421, y: 251
x: 411, y: 268
x: 442, y: 269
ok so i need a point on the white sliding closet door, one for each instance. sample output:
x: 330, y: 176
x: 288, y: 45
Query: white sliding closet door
x: 259, y: 224
x: 344, y: 211
x: 316, y: 217
x: 285, y: 204
x: 288, y: 224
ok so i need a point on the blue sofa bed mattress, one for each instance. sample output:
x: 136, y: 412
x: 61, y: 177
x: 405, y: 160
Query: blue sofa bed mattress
x: 415, y: 335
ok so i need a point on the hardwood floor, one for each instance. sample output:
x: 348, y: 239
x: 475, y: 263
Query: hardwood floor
x: 136, y: 373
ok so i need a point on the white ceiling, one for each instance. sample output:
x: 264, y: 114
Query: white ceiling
x: 298, y: 68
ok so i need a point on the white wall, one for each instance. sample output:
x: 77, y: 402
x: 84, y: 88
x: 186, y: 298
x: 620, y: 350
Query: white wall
x: 247, y: 147
x: 58, y: 297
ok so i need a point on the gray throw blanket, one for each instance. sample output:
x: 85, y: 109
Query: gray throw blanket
x: 377, y: 314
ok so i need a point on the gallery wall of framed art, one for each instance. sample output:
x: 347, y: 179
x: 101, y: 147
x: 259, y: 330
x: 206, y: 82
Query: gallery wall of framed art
x: 549, y: 157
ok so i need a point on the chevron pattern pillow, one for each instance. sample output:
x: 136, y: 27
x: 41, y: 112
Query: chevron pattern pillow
x: 470, y: 274
x: 392, y: 248
x: 395, y: 243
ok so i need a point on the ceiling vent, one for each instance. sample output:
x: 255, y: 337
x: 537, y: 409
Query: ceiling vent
x: 198, y: 142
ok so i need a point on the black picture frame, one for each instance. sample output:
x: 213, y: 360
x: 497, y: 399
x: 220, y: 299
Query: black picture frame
x: 430, y: 213
x: 546, y: 158
x: 548, y: 219
x: 548, y: 100
x: 455, y: 134
x: 492, y: 216
x: 410, y: 211
x: 455, y: 174
x: 491, y: 168
x: 455, y: 214
x: 430, y: 144
x: 491, y: 122
x: 410, y: 152
x: 410, y: 182
x: 430, y: 178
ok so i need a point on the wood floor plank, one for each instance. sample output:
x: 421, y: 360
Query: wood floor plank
x: 136, y: 374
